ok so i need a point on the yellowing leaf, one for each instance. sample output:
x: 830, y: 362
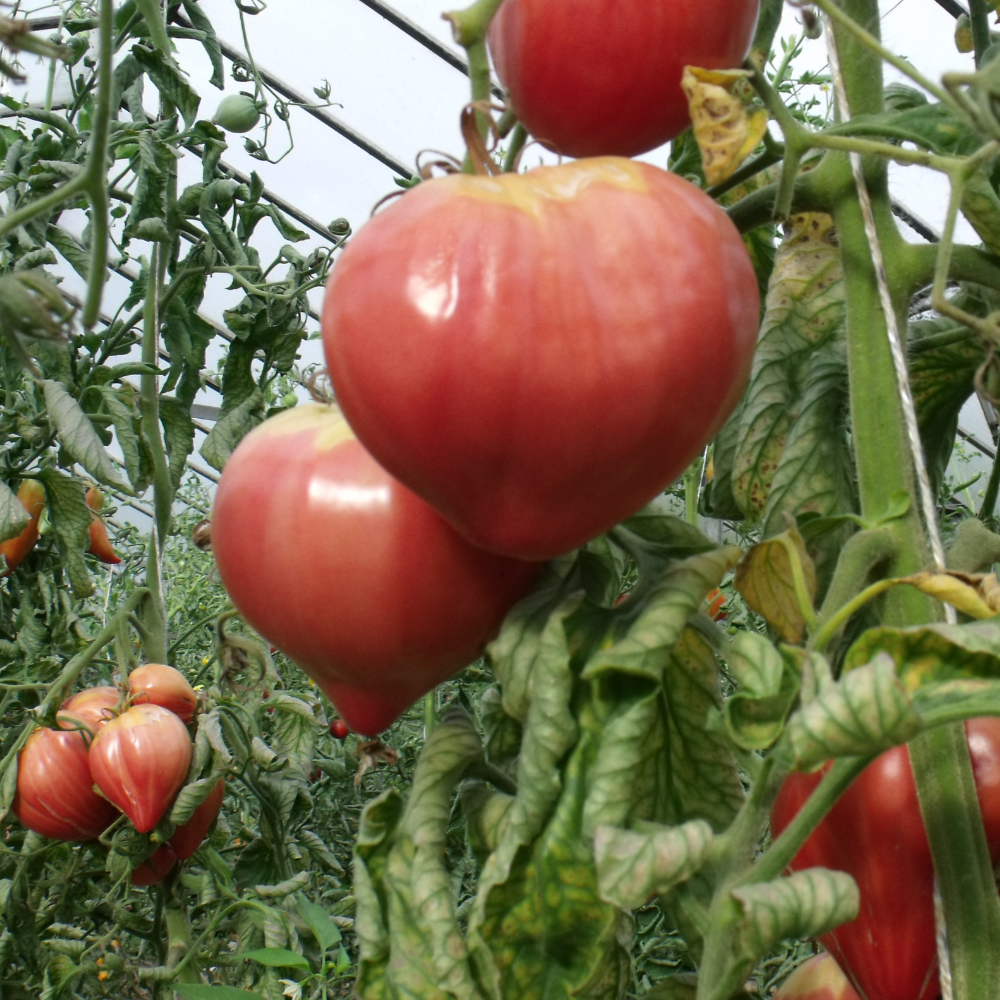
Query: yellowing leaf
x: 766, y: 580
x: 974, y: 594
x: 724, y: 130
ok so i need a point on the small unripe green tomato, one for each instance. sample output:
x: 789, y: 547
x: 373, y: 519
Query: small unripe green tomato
x: 237, y: 113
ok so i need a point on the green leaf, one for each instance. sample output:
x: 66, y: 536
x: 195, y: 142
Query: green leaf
x: 152, y: 14
x: 210, y: 42
x: 805, y: 904
x: 178, y: 435
x: 70, y: 518
x: 633, y: 865
x: 276, y: 958
x: 717, y: 499
x: 865, y: 713
x: 185, y: 991
x: 766, y: 690
x: 403, y: 885
x: 77, y: 435
x: 805, y: 311
x: 13, y: 517
x: 326, y: 932
x: 256, y: 865
x: 230, y: 429
x: 170, y: 80
x: 120, y: 406
x: 295, y: 731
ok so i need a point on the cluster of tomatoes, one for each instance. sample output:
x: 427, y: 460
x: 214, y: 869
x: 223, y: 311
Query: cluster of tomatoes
x: 520, y: 361
x: 31, y: 495
x: 117, y: 752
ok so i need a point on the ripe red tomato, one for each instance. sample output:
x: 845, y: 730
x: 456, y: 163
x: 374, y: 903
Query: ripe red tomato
x: 538, y: 355
x: 158, y: 684
x: 139, y: 762
x: 339, y: 729
x: 92, y: 707
x: 875, y: 833
x: 55, y: 795
x: 818, y: 979
x: 32, y: 497
x: 357, y: 580
x: 716, y: 601
x: 100, y: 544
x: 156, y: 867
x: 608, y: 80
x: 187, y: 838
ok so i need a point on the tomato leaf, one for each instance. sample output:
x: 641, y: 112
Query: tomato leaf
x: 633, y: 865
x: 77, y: 435
x: 409, y: 938
x: 170, y: 80
x: 804, y: 904
x: 296, y: 729
x: 805, y: 310
x: 936, y: 652
x: 178, y: 435
x: 276, y: 958
x: 765, y: 580
x: 866, y: 712
x: 326, y: 932
x: 209, y: 41
x: 192, y: 991
x: 13, y: 516
x: 230, y: 429
x: 766, y: 690
x: 70, y: 517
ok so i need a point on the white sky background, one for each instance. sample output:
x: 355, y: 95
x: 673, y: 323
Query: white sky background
x: 406, y: 99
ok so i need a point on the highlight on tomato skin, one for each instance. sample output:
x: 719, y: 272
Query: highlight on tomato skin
x: 384, y: 600
x: 32, y: 496
x: 584, y: 364
x: 140, y: 760
x: 55, y: 795
x: 609, y: 83
x: 160, y: 684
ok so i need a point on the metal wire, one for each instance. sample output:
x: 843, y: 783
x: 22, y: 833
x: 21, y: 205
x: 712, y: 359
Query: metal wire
x: 927, y: 505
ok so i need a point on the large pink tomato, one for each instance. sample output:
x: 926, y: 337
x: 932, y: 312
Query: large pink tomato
x: 538, y: 355
x: 605, y: 76
x: 55, y: 795
x: 139, y: 761
x: 347, y: 572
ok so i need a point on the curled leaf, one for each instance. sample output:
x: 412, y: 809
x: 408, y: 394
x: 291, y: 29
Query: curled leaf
x: 767, y: 580
x: 974, y: 594
x: 633, y: 865
x: 866, y: 712
x: 766, y: 689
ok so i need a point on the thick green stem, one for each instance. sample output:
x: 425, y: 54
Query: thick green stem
x: 178, y: 928
x: 884, y: 464
x: 947, y: 791
x: 979, y: 16
x: 155, y: 643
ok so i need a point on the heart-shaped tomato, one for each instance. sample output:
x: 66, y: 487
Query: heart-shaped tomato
x: 139, y: 762
x: 876, y: 834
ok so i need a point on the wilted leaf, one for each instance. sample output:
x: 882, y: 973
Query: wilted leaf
x: 974, y: 594
x: 13, y: 516
x: 230, y: 429
x: 804, y: 312
x: 866, y: 712
x: 633, y: 865
x: 726, y: 130
x: 935, y: 652
x: 70, y: 518
x: 765, y: 579
x: 77, y: 435
x: 766, y: 690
